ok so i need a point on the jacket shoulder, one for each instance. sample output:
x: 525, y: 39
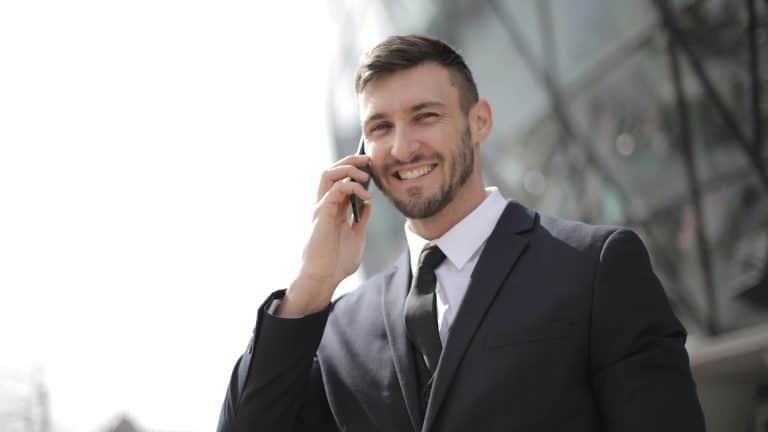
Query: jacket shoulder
x: 579, y: 235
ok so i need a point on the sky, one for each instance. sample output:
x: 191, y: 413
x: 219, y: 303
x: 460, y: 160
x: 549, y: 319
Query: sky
x: 158, y: 164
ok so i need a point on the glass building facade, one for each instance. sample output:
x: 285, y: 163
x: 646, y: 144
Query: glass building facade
x: 648, y: 114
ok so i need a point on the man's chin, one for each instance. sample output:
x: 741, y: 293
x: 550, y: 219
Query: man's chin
x: 420, y: 208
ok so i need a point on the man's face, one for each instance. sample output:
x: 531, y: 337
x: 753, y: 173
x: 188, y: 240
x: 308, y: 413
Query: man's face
x: 418, y: 138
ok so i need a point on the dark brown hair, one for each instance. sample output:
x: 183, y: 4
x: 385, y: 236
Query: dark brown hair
x: 397, y: 53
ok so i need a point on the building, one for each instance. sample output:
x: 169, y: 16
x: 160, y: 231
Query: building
x: 649, y: 114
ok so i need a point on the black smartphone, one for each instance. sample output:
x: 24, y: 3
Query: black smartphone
x: 357, y: 203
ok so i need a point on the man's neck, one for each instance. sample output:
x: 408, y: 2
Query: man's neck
x: 464, y: 202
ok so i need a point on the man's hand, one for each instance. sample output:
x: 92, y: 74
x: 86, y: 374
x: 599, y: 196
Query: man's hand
x: 335, y: 245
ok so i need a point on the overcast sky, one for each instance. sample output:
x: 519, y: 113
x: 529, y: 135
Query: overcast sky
x: 158, y: 162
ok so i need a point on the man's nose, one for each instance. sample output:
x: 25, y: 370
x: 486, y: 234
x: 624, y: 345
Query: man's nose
x: 404, y: 145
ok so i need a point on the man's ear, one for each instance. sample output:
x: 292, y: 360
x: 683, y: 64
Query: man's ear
x: 480, y: 120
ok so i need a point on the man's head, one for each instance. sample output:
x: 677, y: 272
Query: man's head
x: 398, y: 53
x: 423, y: 123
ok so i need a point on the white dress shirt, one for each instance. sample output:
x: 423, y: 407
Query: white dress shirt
x: 462, y: 246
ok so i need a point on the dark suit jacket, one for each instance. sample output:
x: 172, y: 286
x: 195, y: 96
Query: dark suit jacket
x: 564, y: 327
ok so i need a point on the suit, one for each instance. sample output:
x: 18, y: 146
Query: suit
x: 564, y: 327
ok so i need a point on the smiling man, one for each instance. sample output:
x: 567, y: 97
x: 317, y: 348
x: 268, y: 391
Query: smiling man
x: 494, y: 317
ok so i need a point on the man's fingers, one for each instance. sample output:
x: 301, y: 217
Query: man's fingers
x: 340, y: 191
x: 343, y: 171
x: 336, y: 174
x: 348, y: 188
x: 354, y: 159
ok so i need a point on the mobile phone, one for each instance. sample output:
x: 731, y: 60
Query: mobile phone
x: 357, y: 203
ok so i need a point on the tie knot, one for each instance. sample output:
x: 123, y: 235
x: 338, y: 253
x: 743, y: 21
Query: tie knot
x: 431, y: 257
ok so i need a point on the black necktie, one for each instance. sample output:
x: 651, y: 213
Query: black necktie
x: 421, y: 316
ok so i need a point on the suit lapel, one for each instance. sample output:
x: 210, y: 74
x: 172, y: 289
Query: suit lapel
x: 502, y: 250
x: 393, y: 304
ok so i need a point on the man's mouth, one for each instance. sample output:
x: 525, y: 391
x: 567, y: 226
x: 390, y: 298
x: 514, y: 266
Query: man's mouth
x: 414, y: 173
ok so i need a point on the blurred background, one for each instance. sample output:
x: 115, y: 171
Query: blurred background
x: 158, y: 165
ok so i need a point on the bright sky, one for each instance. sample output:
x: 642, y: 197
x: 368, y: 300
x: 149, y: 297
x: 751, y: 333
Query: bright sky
x: 157, y: 171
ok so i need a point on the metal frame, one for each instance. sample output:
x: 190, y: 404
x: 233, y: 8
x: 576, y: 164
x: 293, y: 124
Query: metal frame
x: 678, y: 41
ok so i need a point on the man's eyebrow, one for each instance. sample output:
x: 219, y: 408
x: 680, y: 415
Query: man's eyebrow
x: 374, y: 116
x: 425, y: 105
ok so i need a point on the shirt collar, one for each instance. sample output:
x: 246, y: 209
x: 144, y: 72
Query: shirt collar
x: 461, y: 242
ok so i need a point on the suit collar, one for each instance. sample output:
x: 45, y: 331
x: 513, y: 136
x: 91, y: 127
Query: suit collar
x: 464, y: 239
x: 503, y: 248
x: 393, y: 303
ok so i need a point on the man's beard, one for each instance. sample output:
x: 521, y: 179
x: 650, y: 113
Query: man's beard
x: 417, y: 206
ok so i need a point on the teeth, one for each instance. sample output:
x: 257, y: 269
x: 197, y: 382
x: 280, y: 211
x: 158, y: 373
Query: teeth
x: 418, y: 172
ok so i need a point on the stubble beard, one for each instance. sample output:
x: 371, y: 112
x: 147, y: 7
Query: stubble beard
x: 417, y: 206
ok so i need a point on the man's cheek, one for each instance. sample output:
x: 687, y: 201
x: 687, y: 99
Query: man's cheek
x: 376, y: 179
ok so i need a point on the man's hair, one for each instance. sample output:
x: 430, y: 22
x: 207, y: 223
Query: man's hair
x: 397, y: 53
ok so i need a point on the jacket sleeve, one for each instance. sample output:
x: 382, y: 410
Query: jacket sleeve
x: 276, y: 384
x: 640, y: 369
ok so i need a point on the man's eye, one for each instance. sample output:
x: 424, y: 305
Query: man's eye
x: 379, y: 127
x: 426, y: 115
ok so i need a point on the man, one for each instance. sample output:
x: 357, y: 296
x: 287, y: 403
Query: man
x: 495, y: 318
